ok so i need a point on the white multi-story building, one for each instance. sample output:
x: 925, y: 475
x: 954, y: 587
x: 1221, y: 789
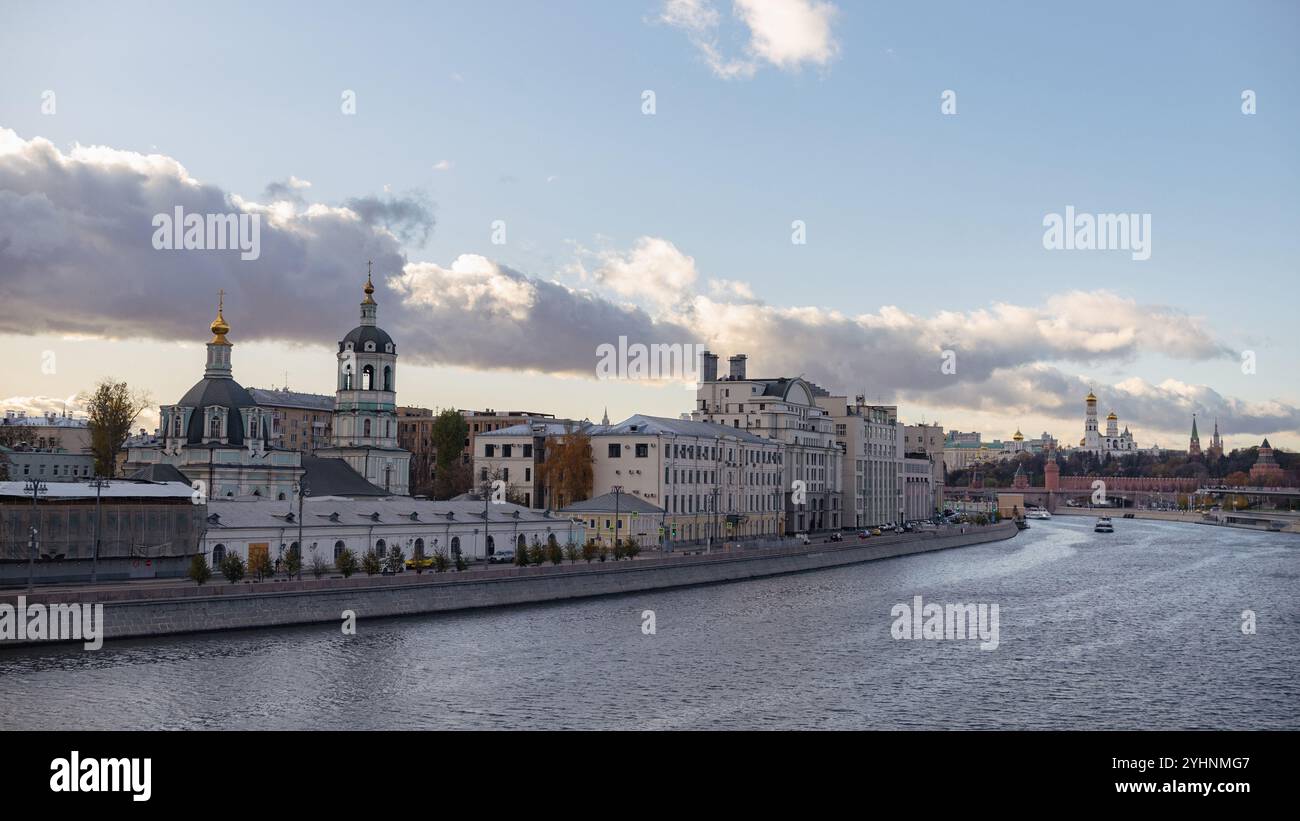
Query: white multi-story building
x: 784, y: 410
x: 872, y: 440
x: 514, y: 455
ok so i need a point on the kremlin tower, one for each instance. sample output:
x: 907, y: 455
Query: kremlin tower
x: 1194, y: 446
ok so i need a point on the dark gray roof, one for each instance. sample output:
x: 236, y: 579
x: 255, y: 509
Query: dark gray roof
x: 216, y: 391
x: 335, y: 477
x: 282, y: 398
x: 627, y: 503
x: 362, y: 334
x: 159, y: 472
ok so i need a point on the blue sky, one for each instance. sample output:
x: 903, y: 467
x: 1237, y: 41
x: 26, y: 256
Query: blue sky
x: 1109, y: 107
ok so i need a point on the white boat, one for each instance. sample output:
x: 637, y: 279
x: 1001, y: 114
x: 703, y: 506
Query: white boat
x: 1103, y: 526
x: 1038, y: 513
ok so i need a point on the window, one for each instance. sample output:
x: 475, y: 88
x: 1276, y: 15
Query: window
x: 491, y: 545
x: 419, y: 548
x: 521, y: 543
x: 365, y: 427
x: 528, y: 451
x: 489, y: 450
x: 338, y: 549
x: 381, y: 547
x: 615, y: 451
x: 218, y: 555
x: 505, y: 474
x: 367, y: 378
x: 642, y: 451
x: 388, y: 378
x: 507, y: 451
x: 528, y: 474
x: 455, y: 545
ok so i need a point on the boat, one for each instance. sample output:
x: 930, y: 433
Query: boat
x: 1103, y: 526
x: 1037, y: 513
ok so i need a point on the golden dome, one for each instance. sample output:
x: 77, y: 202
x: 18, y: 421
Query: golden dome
x: 1019, y: 437
x: 1090, y: 397
x: 219, y: 326
x: 369, y: 289
x: 1112, y: 415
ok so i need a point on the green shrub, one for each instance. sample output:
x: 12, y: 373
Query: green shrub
x: 370, y: 563
x: 232, y: 567
x: 199, y: 570
x: 346, y: 562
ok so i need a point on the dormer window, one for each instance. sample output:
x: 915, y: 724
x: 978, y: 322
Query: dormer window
x: 370, y: 346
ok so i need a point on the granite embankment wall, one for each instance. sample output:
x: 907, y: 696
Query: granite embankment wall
x: 154, y: 611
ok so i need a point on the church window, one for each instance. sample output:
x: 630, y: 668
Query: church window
x: 214, y: 427
x: 338, y: 549
x: 365, y: 428
x: 388, y: 378
x: 367, y: 378
x: 218, y: 554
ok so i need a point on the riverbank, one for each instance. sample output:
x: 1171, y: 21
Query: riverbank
x: 156, y: 610
x: 1251, y: 520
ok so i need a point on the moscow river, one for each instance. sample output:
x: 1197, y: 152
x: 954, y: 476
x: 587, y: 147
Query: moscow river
x: 1140, y: 629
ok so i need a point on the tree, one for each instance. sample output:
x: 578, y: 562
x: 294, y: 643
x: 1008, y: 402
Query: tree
x: 319, y: 567
x: 292, y: 561
x: 554, y: 553
x: 261, y: 567
x: 567, y: 474
x: 536, y: 553
x: 111, y: 409
x: 371, y: 564
x: 440, y: 560
x: 572, y: 553
x: 633, y: 548
x: 451, y: 477
x: 396, y: 560
x: 346, y: 562
x: 461, y: 564
x: 521, y: 557
x: 199, y: 570
x: 232, y: 567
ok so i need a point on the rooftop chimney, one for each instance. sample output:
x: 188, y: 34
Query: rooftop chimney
x: 738, y: 366
x: 710, y: 367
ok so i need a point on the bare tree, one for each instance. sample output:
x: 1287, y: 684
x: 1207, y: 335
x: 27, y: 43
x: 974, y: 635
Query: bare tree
x: 112, y: 409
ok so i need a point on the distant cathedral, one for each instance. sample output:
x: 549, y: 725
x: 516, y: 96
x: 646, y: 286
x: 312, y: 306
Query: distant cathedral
x: 1113, y: 443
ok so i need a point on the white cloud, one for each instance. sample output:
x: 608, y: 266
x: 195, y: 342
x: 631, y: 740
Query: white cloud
x: 442, y: 165
x: 787, y: 34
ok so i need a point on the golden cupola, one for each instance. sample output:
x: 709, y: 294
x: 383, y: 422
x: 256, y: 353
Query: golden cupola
x: 219, y: 327
x: 1112, y: 415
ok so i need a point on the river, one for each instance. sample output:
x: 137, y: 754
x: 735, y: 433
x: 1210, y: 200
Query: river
x: 1134, y: 630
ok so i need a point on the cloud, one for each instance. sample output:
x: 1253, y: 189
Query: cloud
x: 787, y: 34
x: 76, y: 258
x: 442, y: 165
x: 290, y: 190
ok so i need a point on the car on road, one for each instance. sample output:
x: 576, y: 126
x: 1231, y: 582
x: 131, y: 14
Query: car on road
x: 837, y: 536
x: 802, y: 538
x: 864, y: 534
x: 423, y: 563
x: 504, y: 555
x: 875, y: 531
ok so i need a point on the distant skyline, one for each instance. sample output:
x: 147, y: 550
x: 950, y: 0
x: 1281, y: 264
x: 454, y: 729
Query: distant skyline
x: 924, y: 230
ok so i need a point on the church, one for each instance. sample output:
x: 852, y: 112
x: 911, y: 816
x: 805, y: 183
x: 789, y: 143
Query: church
x: 1113, y: 442
x: 219, y: 437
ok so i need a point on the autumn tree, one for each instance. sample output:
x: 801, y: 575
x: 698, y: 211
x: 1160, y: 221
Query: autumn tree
x: 566, y: 473
x: 112, y: 409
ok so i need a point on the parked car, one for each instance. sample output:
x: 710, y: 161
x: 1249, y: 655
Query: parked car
x: 875, y: 531
x: 837, y: 536
x: 802, y: 538
x: 864, y: 534
x: 425, y: 563
x: 503, y: 555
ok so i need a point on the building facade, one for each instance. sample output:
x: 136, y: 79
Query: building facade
x: 784, y: 410
x: 299, y: 421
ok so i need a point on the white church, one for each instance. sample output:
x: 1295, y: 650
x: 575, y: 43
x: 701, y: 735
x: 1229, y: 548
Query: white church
x: 218, y: 435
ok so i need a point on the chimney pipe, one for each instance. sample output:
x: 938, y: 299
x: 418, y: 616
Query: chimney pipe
x: 710, y: 367
x: 738, y: 366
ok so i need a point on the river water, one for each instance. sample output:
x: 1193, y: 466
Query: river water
x: 1138, y: 629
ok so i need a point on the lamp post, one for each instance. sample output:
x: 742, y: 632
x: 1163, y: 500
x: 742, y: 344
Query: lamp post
x: 617, y: 490
x: 98, y: 484
x: 302, y: 489
x: 34, y: 487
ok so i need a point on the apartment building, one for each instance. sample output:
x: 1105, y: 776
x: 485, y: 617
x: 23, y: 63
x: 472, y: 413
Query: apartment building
x: 783, y: 410
x: 299, y: 421
x: 928, y: 440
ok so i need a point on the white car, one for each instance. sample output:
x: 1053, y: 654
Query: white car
x: 802, y: 538
x: 505, y: 555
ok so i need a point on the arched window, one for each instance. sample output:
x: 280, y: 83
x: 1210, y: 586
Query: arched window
x: 491, y: 546
x: 419, y: 548
x: 368, y: 378
x: 388, y: 378
x: 218, y: 554
x: 381, y: 547
x: 365, y: 428
x: 338, y: 549
x: 280, y: 497
x: 347, y: 378
x: 455, y: 545
x: 214, y: 427
x: 521, y: 542
x: 252, y: 428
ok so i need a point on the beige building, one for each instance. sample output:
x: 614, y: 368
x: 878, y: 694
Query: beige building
x: 872, y: 441
x: 928, y: 440
x: 299, y: 421
x: 713, y: 482
x: 51, y: 431
x: 783, y: 410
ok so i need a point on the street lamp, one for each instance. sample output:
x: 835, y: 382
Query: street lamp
x: 302, y: 489
x: 98, y: 484
x: 34, y: 487
x: 617, y: 490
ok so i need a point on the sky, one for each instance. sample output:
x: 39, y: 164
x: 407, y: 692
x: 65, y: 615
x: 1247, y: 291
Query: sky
x: 523, y: 202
